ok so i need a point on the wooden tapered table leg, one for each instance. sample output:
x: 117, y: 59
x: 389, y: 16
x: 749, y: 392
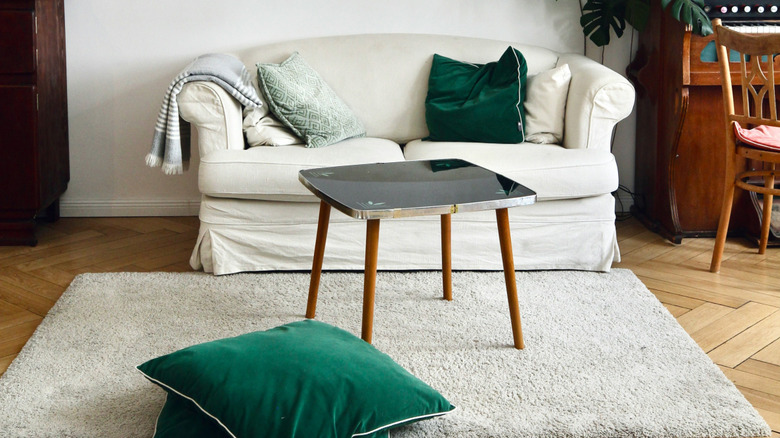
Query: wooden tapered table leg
x: 505, y: 239
x: 446, y: 255
x: 369, y: 282
x: 319, y: 253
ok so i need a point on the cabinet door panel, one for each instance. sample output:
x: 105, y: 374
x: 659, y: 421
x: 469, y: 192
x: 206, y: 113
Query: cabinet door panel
x: 17, y: 48
x: 18, y: 151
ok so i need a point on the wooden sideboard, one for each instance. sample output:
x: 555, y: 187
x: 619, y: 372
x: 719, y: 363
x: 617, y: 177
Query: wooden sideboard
x: 34, y: 163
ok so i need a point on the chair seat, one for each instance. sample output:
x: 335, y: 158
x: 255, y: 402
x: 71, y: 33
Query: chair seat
x: 761, y: 137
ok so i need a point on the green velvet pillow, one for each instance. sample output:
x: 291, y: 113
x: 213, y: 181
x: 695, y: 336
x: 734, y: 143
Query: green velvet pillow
x: 475, y: 102
x: 181, y: 418
x: 301, y: 99
x: 301, y: 379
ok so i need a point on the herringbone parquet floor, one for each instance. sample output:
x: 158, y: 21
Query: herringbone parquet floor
x: 734, y: 316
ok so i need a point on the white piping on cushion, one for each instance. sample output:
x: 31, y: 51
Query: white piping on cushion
x: 188, y: 398
x: 411, y: 419
x: 519, y: 96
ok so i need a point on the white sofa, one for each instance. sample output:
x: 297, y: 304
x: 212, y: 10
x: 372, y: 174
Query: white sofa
x: 256, y: 216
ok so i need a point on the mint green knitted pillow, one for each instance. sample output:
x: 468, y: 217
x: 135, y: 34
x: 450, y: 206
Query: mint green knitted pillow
x: 302, y: 100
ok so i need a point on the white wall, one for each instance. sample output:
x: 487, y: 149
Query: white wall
x: 122, y: 56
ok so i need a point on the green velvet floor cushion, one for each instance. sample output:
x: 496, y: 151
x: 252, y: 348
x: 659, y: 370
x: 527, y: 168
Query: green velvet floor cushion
x: 301, y: 379
x: 180, y: 417
x: 477, y: 102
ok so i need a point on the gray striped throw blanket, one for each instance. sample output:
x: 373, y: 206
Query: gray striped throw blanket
x: 171, y: 143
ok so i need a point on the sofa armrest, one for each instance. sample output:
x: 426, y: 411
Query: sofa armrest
x: 598, y: 99
x: 214, y: 113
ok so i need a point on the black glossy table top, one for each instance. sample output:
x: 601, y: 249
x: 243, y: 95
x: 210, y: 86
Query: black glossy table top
x: 414, y: 188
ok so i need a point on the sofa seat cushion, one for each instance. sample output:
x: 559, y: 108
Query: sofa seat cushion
x: 271, y: 173
x: 552, y: 171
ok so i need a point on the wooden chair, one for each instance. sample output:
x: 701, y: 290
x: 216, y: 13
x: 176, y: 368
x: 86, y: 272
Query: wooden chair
x: 757, y: 75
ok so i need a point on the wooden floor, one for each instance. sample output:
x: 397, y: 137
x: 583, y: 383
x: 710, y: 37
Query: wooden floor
x: 734, y: 316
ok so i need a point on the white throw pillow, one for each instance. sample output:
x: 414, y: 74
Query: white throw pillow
x: 545, y: 105
x: 262, y: 129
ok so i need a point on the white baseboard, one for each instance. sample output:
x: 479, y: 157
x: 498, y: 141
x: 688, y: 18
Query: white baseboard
x: 108, y: 208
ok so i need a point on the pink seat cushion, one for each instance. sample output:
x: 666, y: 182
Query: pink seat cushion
x: 762, y: 136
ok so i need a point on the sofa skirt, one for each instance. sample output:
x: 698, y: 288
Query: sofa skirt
x: 239, y: 235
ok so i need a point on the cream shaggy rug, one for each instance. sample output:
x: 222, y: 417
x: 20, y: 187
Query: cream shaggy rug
x: 603, y: 357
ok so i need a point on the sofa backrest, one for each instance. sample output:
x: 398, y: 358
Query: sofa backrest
x: 384, y: 77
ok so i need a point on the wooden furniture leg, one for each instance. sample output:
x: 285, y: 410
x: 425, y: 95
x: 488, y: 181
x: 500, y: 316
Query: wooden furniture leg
x: 319, y: 253
x: 369, y: 282
x: 723, y: 222
x: 505, y: 239
x: 446, y: 255
x: 766, y: 220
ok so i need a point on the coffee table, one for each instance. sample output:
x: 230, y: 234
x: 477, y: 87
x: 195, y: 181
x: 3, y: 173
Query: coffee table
x: 413, y: 188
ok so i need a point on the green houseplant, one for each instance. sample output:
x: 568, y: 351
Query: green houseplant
x: 599, y: 16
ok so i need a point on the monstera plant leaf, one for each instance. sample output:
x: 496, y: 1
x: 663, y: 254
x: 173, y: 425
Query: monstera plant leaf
x: 637, y: 13
x: 601, y: 16
x: 690, y: 12
x: 598, y: 16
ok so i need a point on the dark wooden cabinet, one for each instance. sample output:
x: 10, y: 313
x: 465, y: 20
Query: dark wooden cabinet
x: 34, y: 166
x: 680, y: 138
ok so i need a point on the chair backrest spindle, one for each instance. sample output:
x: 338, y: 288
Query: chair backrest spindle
x: 746, y: 87
x: 771, y: 87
